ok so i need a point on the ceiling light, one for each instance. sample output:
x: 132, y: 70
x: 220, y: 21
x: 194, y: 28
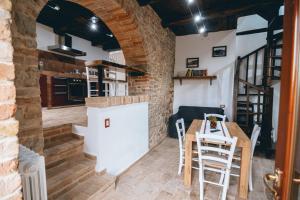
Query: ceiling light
x: 202, y: 29
x: 197, y: 18
x: 94, y: 19
x: 93, y: 26
x: 110, y: 35
x: 190, y: 1
x: 54, y: 7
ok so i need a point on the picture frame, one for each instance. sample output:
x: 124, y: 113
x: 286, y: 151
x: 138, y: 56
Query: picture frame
x: 192, y: 62
x: 219, y: 51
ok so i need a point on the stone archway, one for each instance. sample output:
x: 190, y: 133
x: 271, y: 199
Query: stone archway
x: 143, y: 41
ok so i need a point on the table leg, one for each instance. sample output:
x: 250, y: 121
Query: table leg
x: 244, y: 173
x: 188, y: 163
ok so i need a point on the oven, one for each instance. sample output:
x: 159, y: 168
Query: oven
x: 77, y: 90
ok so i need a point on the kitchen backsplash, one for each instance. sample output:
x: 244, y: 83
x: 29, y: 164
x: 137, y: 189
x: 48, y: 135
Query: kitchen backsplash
x: 59, y: 63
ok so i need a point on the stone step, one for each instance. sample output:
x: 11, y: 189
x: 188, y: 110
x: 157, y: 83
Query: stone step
x: 56, y: 131
x: 93, y: 188
x: 60, y: 150
x: 66, y: 175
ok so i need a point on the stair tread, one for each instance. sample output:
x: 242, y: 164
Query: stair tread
x: 64, y: 144
x: 69, y: 172
x: 278, y: 46
x: 89, y: 188
x: 246, y: 94
x: 276, y: 57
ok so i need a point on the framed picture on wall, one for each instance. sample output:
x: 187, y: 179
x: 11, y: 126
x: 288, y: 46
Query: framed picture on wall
x: 219, y: 51
x: 192, y: 62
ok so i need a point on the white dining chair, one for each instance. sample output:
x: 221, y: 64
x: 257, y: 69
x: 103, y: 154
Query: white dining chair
x: 181, y: 138
x: 210, y: 160
x: 218, y: 116
x: 254, y: 137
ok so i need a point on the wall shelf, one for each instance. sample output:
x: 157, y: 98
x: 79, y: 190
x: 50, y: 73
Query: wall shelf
x: 210, y: 78
x: 133, y: 71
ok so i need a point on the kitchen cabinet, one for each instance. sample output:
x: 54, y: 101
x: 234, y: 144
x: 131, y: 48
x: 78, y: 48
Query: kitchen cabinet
x: 59, y: 89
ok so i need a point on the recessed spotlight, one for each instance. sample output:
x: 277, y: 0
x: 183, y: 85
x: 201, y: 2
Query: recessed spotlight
x: 202, y: 29
x: 56, y: 8
x: 190, y: 1
x: 197, y: 18
x: 93, y: 26
x: 94, y: 19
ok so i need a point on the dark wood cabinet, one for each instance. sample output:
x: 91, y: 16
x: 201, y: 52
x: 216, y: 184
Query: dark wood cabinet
x: 62, y: 91
x: 59, y: 91
x: 44, y: 91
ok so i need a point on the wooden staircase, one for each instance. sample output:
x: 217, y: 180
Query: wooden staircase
x: 256, y: 72
x: 70, y: 173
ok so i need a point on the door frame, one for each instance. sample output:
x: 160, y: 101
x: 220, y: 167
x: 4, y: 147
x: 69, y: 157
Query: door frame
x: 288, y: 97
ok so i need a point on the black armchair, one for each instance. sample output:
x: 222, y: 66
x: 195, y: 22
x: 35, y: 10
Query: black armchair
x: 189, y: 113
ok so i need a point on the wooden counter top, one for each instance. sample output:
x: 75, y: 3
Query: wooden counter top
x: 60, y: 74
x: 103, y: 102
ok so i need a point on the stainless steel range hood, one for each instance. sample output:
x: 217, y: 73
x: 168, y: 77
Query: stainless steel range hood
x: 64, y: 46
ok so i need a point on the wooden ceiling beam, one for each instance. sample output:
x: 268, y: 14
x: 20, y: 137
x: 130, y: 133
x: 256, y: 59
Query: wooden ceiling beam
x: 147, y: 2
x: 214, y: 14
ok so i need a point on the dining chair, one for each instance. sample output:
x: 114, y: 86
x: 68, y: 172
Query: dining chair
x: 181, y: 138
x: 254, y: 137
x: 210, y: 160
x: 218, y: 116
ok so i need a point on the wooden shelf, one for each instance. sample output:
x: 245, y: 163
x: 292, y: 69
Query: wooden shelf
x: 114, y: 80
x: 210, y: 78
x: 108, y: 64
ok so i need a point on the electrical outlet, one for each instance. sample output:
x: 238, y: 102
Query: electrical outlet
x: 107, y: 122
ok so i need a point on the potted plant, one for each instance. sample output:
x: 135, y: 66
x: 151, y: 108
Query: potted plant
x: 213, y: 122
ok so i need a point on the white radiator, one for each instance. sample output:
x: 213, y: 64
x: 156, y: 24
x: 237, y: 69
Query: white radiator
x: 32, y: 170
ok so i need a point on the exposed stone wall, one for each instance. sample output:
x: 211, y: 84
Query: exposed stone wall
x: 25, y: 59
x: 10, y: 182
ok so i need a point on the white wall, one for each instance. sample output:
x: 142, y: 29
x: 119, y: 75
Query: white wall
x: 117, y: 57
x: 201, y: 93
x: 249, y: 43
x: 124, y: 142
x: 46, y: 37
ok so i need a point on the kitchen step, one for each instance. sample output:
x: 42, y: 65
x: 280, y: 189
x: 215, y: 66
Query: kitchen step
x: 93, y: 188
x: 66, y: 175
x: 57, y: 131
x: 62, y: 149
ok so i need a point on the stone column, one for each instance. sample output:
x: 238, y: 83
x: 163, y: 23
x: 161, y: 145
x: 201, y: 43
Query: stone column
x: 25, y: 58
x: 10, y: 182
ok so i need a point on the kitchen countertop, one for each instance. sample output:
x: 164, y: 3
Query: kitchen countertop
x: 104, y: 102
x: 61, y: 74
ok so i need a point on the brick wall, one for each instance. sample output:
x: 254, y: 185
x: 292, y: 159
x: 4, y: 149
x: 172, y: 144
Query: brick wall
x: 10, y: 182
x: 25, y: 58
x: 144, y: 43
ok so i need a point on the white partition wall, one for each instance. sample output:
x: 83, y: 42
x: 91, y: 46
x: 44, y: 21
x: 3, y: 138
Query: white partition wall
x: 126, y: 140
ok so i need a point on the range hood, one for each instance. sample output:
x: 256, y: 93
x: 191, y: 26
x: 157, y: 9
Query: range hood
x: 64, y: 46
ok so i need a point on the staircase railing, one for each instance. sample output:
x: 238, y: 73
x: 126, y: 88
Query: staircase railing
x: 254, y: 97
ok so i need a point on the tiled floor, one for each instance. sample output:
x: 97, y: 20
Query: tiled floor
x: 59, y: 116
x: 155, y: 178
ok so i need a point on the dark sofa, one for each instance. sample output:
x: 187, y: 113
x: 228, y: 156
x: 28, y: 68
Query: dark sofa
x: 189, y: 113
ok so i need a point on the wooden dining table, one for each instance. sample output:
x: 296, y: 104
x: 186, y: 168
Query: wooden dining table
x: 243, y: 142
